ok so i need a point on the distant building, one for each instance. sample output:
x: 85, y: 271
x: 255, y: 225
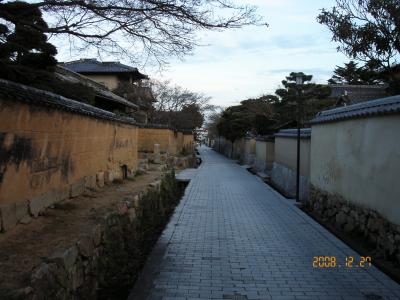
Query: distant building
x: 351, y: 94
x: 104, y: 98
x: 109, y: 73
x: 124, y: 80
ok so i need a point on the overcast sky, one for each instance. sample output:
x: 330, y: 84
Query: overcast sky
x: 249, y: 62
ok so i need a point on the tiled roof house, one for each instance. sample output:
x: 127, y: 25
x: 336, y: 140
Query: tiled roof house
x: 107, y: 73
x: 113, y: 75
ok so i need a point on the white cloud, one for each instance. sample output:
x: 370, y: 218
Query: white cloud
x: 247, y: 62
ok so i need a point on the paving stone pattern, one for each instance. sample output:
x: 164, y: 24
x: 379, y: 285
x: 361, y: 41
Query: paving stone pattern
x: 233, y: 237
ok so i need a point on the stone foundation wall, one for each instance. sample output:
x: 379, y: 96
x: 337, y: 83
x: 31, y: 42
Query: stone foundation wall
x: 105, y: 264
x: 357, y: 220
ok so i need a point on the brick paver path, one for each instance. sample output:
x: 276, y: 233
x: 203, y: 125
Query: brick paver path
x: 233, y: 237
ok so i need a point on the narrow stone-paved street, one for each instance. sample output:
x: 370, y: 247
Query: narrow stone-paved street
x: 233, y: 237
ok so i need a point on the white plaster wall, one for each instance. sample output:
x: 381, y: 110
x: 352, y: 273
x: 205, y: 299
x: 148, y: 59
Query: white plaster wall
x: 286, y: 154
x: 261, y: 156
x: 249, y: 151
x: 285, y: 179
x: 360, y: 160
x: 264, y: 155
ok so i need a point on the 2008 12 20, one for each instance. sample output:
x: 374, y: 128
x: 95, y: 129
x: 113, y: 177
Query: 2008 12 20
x: 345, y: 262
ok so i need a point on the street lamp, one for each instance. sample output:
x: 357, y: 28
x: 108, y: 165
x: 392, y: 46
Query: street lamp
x: 299, y: 83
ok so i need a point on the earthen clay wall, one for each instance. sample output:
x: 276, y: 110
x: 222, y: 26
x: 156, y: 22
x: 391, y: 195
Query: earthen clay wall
x: 170, y: 141
x: 150, y: 136
x: 47, y: 155
x: 188, y: 141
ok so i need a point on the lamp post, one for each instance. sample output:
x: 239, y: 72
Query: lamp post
x: 299, y: 83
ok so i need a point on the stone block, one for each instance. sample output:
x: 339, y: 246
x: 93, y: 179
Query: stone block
x: 156, y: 154
x: 341, y: 218
x: 349, y: 227
x: 85, y: 246
x: 77, y: 276
x: 77, y: 188
x: 108, y: 177
x: 65, y: 258
x: 97, y: 235
x: 100, y: 179
x: 45, y: 280
x: 21, y: 210
x: 136, y: 201
x: 142, y: 155
x: 8, y: 216
x: 132, y: 214
x: 91, y: 182
x: 155, y: 184
x: 39, y: 203
x: 26, y: 220
x: 372, y: 224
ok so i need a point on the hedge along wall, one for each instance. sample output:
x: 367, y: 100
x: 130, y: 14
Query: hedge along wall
x: 52, y: 148
x: 285, y: 164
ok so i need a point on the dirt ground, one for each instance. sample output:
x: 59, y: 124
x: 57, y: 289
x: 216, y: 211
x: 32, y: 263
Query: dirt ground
x: 26, y: 246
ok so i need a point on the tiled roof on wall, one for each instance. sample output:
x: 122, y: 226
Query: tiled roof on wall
x: 383, y: 106
x: 265, y: 138
x: 157, y: 126
x: 94, y: 66
x: 292, y: 133
x: 13, y: 91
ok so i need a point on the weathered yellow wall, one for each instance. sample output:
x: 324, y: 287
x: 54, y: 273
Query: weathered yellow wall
x: 56, y: 153
x: 169, y: 140
x: 150, y: 136
x: 179, y: 142
x: 188, y: 141
x: 173, y: 142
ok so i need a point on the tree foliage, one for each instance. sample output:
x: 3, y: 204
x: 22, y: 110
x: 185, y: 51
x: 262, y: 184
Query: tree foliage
x: 366, y: 30
x: 139, y: 95
x: 212, y: 122
x: 350, y: 73
x: 23, y: 43
x: 311, y: 96
x: 266, y: 114
x: 178, y: 107
x: 234, y: 123
x: 158, y: 28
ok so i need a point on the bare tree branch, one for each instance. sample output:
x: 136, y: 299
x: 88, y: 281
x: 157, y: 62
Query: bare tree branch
x: 158, y: 28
